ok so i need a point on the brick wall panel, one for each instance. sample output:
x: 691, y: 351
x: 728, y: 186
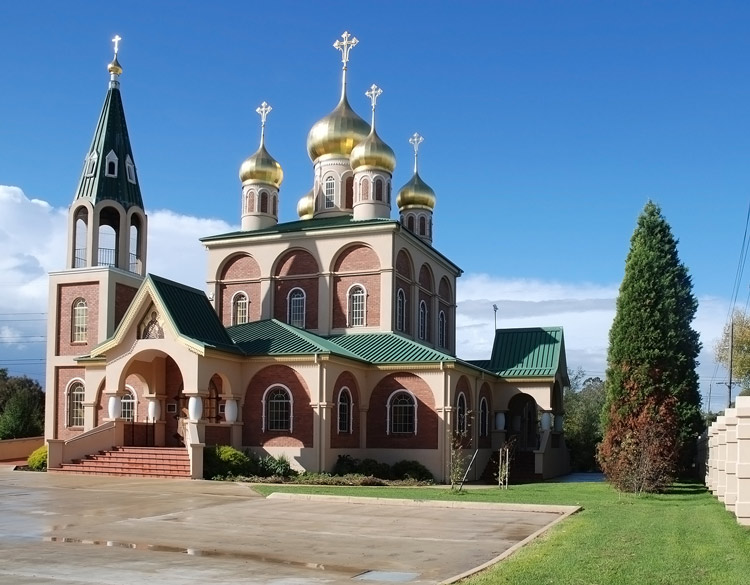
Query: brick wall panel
x: 227, y: 291
x: 282, y: 287
x: 296, y: 263
x: 123, y: 297
x: 240, y: 267
x: 357, y: 258
x: 341, y: 285
x: 63, y: 377
x: 425, y: 278
x: 345, y: 440
x: 404, y: 265
x: 67, y: 293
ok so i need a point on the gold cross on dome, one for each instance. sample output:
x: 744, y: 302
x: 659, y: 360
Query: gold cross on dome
x: 345, y: 46
x: 116, y: 41
x: 373, y: 93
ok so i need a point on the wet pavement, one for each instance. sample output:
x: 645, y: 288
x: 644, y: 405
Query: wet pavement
x: 77, y: 530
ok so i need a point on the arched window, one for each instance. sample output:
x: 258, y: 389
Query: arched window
x: 378, y: 189
x: 275, y: 205
x: 461, y: 418
x: 263, y: 202
x: 127, y: 402
x: 410, y: 223
x: 277, y: 409
x: 484, y: 418
x: 422, y: 320
x: 356, y: 313
x: 329, y: 193
x: 400, y: 309
x: 296, y: 308
x: 130, y: 169
x: 422, y: 226
x: 402, y: 413
x: 388, y: 191
x: 76, y: 395
x: 211, y: 403
x: 250, y: 202
x: 364, y: 190
x: 442, y: 330
x: 91, y: 164
x: 239, y: 309
x: 79, y: 332
x: 345, y: 411
x: 110, y: 165
x: 349, y: 203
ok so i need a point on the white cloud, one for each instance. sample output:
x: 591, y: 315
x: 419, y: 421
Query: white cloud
x: 33, y: 239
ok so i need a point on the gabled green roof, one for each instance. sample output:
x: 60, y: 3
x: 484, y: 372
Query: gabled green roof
x: 272, y: 337
x: 303, y: 225
x: 389, y: 348
x: 533, y: 352
x: 111, y: 134
x: 192, y: 314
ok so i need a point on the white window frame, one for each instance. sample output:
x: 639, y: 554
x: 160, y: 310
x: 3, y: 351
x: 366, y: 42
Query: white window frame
x: 236, y: 305
x: 79, y: 330
x: 91, y: 164
x: 329, y: 192
x: 484, y: 417
x: 130, y: 169
x: 462, y: 414
x: 388, y: 405
x: 442, y: 329
x: 349, y: 412
x: 422, y: 320
x: 111, y: 158
x: 74, y: 383
x: 129, y: 397
x: 289, y: 307
x: 400, y: 310
x: 351, y: 309
x: 264, y: 404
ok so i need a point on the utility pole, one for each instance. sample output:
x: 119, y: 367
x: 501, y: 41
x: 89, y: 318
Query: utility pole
x: 495, y: 308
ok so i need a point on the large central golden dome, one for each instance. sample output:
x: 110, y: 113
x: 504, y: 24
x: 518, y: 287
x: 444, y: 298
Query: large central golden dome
x: 337, y: 133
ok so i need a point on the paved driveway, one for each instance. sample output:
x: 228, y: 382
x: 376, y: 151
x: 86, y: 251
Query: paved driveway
x: 60, y: 529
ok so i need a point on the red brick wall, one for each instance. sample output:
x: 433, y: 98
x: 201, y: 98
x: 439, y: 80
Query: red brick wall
x: 427, y: 298
x: 240, y: 267
x: 341, y: 285
x: 405, y: 285
x: 427, y: 418
x: 252, y: 410
x: 296, y: 263
x: 281, y: 291
x: 484, y: 392
x: 404, y: 265
x: 445, y: 290
x: 218, y: 435
x: 449, y: 325
x: 123, y: 297
x: 227, y: 291
x: 63, y: 376
x: 342, y: 440
x: 67, y: 293
x: 357, y: 258
x: 425, y: 278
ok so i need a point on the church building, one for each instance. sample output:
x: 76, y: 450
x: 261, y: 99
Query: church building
x: 329, y: 335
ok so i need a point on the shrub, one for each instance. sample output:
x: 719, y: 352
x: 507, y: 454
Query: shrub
x: 269, y: 466
x: 222, y: 460
x: 375, y: 469
x: 407, y: 469
x: 37, y: 461
x: 346, y: 464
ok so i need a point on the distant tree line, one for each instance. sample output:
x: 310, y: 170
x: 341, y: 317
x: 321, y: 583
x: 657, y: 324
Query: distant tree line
x: 21, y: 407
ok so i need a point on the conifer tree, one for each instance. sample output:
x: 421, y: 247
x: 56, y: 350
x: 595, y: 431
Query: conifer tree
x: 652, y: 414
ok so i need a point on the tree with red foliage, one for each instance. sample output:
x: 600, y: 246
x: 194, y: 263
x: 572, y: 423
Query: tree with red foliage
x: 652, y: 414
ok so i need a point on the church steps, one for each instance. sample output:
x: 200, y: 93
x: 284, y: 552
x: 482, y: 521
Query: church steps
x: 132, y: 462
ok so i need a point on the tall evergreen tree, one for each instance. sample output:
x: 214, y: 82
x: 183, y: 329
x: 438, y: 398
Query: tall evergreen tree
x: 652, y: 413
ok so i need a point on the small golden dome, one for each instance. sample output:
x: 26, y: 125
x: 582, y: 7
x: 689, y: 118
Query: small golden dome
x: 416, y: 193
x: 261, y: 167
x: 337, y: 133
x: 373, y: 152
x: 114, y: 67
x: 306, y: 206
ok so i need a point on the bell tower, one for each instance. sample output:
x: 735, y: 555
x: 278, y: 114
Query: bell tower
x: 105, y: 265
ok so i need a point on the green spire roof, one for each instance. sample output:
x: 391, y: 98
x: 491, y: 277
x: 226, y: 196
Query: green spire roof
x: 110, y: 144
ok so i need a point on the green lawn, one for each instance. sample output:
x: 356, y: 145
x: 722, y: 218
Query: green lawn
x: 684, y: 537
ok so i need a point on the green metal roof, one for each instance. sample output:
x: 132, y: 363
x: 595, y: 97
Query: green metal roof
x: 389, y: 348
x: 111, y: 134
x: 534, y: 352
x: 272, y: 337
x: 303, y: 225
x: 192, y: 313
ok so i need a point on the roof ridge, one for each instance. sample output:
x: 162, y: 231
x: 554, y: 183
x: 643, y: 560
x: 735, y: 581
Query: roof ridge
x: 169, y: 281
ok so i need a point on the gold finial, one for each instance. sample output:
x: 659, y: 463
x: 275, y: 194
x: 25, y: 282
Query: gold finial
x: 114, y: 67
x: 373, y: 93
x: 415, y: 141
x: 263, y: 110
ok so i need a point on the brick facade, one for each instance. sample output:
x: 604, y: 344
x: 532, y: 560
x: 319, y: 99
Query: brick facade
x: 282, y: 288
x: 350, y: 439
x: 66, y: 296
x: 253, y: 433
x: 63, y: 377
x: 123, y: 297
x: 341, y: 285
x: 427, y: 418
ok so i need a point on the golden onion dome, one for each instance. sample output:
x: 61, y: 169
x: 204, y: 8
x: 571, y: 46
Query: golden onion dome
x: 373, y: 152
x: 337, y: 133
x: 115, y: 67
x: 261, y: 167
x: 416, y: 193
x: 306, y: 206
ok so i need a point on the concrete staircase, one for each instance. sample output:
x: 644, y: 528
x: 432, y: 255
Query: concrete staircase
x: 165, y: 462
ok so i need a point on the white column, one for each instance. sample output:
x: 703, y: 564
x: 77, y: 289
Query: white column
x: 154, y: 409
x: 195, y: 408
x: 742, y: 503
x: 114, y: 407
x: 230, y: 410
x: 721, y: 463
x: 731, y: 459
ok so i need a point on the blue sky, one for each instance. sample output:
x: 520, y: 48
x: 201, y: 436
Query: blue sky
x: 547, y: 125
